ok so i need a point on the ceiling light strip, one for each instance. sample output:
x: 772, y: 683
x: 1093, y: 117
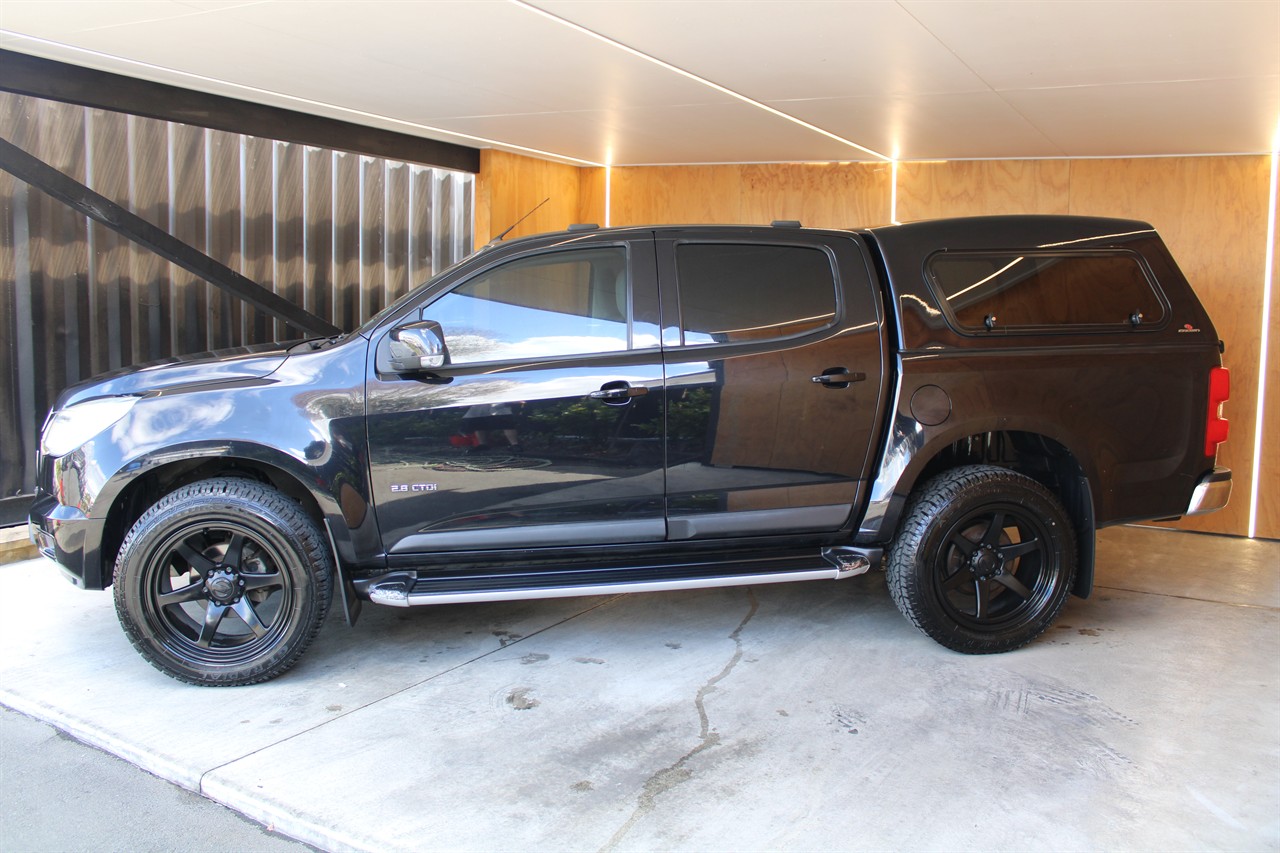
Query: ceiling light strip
x: 295, y: 99
x: 1268, y: 276
x: 694, y: 77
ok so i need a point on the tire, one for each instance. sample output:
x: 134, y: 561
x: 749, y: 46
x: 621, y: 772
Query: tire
x: 223, y: 582
x: 984, y: 560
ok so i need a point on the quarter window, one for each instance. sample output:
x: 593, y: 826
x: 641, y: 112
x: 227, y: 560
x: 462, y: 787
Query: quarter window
x: 731, y: 292
x: 1043, y: 290
x: 563, y: 303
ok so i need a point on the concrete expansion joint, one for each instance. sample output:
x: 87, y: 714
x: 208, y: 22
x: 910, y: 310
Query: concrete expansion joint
x: 668, y: 777
x: 249, y: 807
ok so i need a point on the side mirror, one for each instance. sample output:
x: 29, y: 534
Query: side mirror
x: 416, y: 347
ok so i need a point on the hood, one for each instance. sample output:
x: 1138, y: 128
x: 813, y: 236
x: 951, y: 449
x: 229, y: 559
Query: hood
x: 251, y: 362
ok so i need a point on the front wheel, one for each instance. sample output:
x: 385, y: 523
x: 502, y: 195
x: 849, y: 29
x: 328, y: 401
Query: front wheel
x: 223, y: 582
x: 984, y: 561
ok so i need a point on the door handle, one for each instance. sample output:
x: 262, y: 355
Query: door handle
x: 838, y: 377
x: 618, y: 393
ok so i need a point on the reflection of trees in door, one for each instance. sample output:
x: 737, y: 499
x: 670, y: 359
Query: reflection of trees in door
x: 772, y: 415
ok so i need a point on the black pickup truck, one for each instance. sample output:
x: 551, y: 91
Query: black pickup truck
x: 962, y: 403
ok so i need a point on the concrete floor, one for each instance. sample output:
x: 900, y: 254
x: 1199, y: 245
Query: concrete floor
x: 56, y: 795
x: 789, y: 717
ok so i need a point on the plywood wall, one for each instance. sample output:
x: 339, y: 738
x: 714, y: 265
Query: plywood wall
x: 823, y: 195
x: 1212, y: 211
x: 1269, y: 479
x: 509, y: 186
x: 982, y: 188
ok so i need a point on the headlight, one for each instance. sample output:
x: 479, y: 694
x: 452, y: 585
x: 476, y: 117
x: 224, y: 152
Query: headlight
x: 72, y: 427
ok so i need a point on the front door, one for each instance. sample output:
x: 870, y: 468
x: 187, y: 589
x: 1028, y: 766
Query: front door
x: 544, y: 429
x: 774, y: 369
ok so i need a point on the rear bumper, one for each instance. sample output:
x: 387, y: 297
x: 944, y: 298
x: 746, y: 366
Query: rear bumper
x: 65, y: 535
x: 1211, y: 493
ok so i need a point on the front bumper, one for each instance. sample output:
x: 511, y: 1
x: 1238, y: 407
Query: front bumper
x: 65, y: 535
x: 1211, y: 493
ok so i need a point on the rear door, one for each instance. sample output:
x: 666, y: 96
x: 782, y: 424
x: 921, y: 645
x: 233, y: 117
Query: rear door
x: 774, y: 367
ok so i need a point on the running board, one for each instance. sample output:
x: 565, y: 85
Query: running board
x: 406, y: 589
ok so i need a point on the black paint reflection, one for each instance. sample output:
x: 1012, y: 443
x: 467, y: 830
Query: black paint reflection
x: 521, y: 448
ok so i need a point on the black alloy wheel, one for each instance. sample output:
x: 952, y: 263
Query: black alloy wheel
x: 984, y: 561
x: 223, y: 582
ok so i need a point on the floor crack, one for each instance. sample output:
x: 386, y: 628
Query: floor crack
x: 668, y: 777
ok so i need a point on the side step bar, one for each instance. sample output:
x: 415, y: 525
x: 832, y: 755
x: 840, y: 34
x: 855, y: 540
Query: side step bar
x: 406, y: 589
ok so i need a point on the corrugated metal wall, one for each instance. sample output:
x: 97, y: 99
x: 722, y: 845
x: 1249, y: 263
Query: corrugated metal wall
x: 340, y: 234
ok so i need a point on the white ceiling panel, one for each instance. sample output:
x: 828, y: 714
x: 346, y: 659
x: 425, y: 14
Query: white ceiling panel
x: 927, y: 79
x: 657, y: 135
x: 1014, y: 44
x: 307, y: 49
x: 970, y: 125
x: 1099, y: 121
x: 774, y: 51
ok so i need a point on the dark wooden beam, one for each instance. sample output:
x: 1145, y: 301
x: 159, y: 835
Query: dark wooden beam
x: 99, y: 208
x: 73, y: 84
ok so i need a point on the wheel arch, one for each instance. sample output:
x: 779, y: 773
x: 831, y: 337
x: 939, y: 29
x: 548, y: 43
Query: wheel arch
x: 329, y: 508
x: 1030, y: 450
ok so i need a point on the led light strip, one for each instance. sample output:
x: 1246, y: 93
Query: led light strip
x: 1267, y: 278
x: 608, y: 195
x: 695, y: 78
x: 893, y: 192
x: 295, y: 99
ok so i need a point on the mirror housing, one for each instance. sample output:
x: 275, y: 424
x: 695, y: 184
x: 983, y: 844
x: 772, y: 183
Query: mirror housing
x: 415, y: 347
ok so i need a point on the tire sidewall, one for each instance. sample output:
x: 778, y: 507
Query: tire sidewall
x: 917, y: 559
x: 242, y: 505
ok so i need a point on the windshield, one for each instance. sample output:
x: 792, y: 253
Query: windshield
x: 366, y: 328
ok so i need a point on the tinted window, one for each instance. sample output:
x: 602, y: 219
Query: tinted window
x: 1044, y: 290
x: 566, y: 303
x: 746, y: 293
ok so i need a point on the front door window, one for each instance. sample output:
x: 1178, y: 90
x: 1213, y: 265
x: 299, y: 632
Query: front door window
x: 566, y: 303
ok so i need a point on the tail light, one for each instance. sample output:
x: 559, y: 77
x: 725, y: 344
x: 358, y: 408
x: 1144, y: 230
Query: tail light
x: 1216, y: 426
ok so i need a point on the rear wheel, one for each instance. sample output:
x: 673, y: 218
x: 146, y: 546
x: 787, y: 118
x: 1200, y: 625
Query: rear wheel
x: 984, y: 561
x: 223, y: 582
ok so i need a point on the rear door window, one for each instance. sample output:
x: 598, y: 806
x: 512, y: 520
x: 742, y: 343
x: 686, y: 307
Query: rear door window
x: 733, y: 292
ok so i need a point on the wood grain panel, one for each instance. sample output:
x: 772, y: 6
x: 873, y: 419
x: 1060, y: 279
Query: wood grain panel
x: 591, y: 191
x: 1269, y: 480
x: 509, y: 186
x: 668, y: 195
x: 1212, y: 213
x: 819, y: 195
x: 982, y: 188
